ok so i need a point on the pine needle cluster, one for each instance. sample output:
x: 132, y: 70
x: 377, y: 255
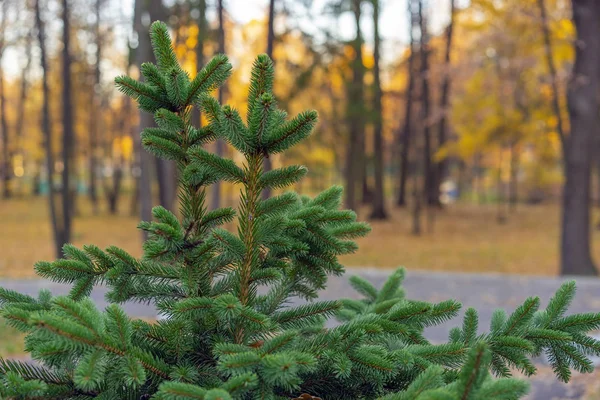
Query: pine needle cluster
x: 231, y: 328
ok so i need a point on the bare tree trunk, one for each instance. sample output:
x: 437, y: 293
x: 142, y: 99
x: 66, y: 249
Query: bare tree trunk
x: 266, y: 193
x: 552, y: 69
x: 378, y: 211
x: 219, y: 145
x: 513, y: 186
x: 501, y: 215
x: 424, y: 75
x: 112, y: 186
x: 6, y: 167
x: 406, y: 130
x: 202, y: 34
x: 166, y: 170
x: 143, y: 54
x: 417, y: 203
x: 94, y: 126
x: 167, y: 186
x: 441, y: 169
x: 355, y: 154
x: 67, y: 120
x: 582, y: 100
x: 24, y: 90
x: 47, y: 129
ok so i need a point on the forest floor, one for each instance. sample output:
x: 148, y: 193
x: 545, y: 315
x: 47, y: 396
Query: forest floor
x: 465, y: 238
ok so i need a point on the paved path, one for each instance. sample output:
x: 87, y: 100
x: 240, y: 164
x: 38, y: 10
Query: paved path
x: 485, y: 292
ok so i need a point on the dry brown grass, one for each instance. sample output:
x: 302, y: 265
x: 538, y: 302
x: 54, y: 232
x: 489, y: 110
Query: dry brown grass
x: 465, y: 238
x: 25, y: 234
x: 11, y: 341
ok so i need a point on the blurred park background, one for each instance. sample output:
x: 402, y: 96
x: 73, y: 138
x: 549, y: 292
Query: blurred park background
x: 454, y: 125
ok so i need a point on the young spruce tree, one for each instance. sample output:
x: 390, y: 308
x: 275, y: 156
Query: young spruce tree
x: 230, y: 330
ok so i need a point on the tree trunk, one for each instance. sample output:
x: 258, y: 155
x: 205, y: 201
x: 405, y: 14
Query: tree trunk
x: 513, y: 186
x: 267, y: 164
x: 378, y: 211
x: 441, y: 169
x: 582, y: 100
x: 166, y: 170
x: 94, y: 125
x: 500, y: 201
x: 67, y: 120
x: 202, y: 34
x: 406, y: 130
x: 143, y: 54
x: 24, y: 90
x: 355, y: 153
x: 6, y: 167
x: 417, y: 204
x: 47, y: 129
x: 424, y: 75
x: 219, y: 145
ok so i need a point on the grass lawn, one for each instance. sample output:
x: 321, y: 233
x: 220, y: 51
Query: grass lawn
x: 465, y: 238
x: 11, y: 341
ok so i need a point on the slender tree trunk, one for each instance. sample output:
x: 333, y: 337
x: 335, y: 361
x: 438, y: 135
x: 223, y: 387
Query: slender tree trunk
x: 219, y: 145
x: 500, y: 201
x: 202, y: 34
x: 94, y: 121
x: 67, y: 120
x: 582, y: 100
x: 513, y: 186
x: 441, y: 169
x: 24, y: 90
x: 378, y: 211
x: 47, y: 129
x: 417, y: 203
x: 166, y: 171
x: 407, y: 129
x: 267, y: 164
x: 552, y: 68
x: 143, y: 54
x: 424, y: 74
x: 112, y: 186
x: 355, y: 154
x: 6, y: 167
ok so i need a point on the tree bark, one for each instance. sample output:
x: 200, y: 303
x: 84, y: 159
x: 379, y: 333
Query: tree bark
x: 47, y: 129
x: 267, y: 164
x: 378, y: 211
x: 166, y: 171
x: 355, y: 153
x: 202, y: 34
x: 441, y: 169
x: 406, y: 131
x: 424, y: 75
x: 552, y: 69
x: 5, y: 166
x: 144, y: 159
x: 24, y: 90
x: 582, y: 101
x: 94, y: 126
x: 219, y: 145
x: 500, y: 201
x: 67, y: 120
x: 513, y: 196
